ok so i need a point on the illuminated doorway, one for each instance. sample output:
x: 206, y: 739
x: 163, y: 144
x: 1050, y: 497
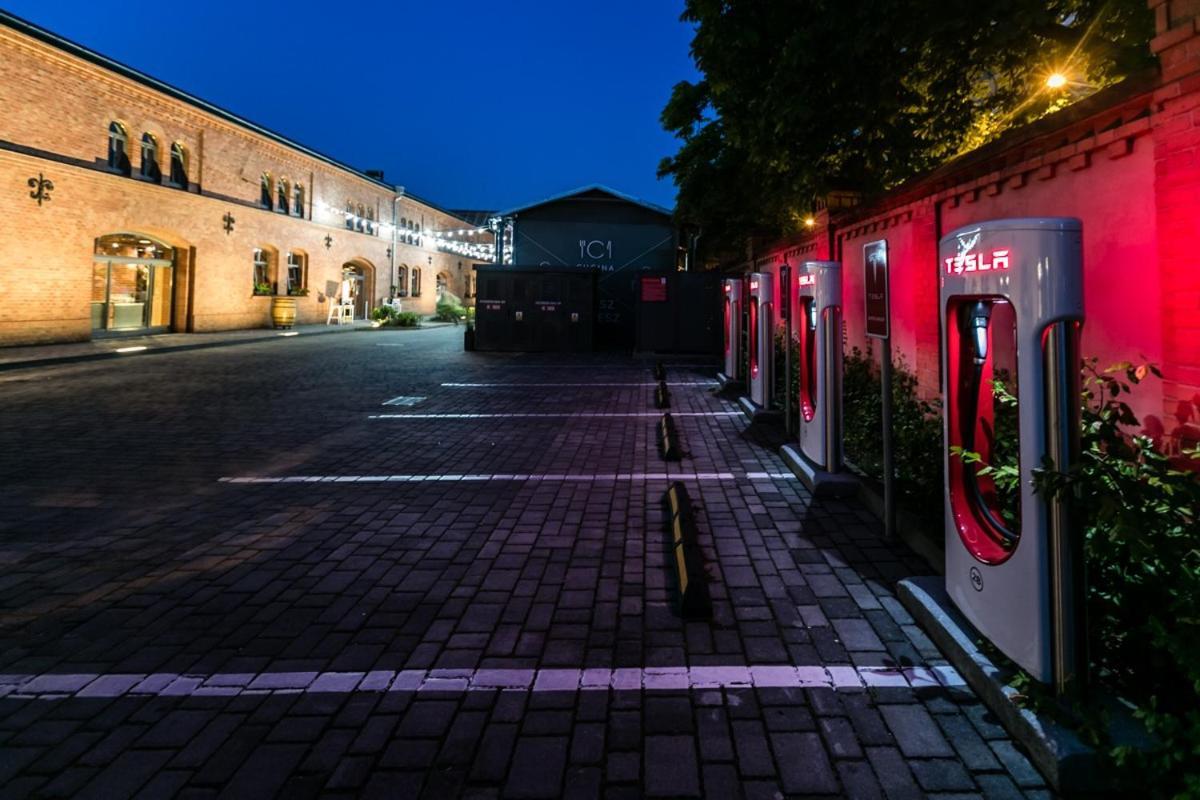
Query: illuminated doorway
x: 132, y: 281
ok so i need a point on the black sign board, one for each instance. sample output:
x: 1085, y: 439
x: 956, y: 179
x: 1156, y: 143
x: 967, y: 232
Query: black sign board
x: 875, y: 266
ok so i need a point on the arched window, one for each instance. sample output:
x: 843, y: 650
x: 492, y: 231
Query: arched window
x: 416, y: 282
x: 262, y: 271
x: 371, y: 221
x: 358, y: 219
x: 281, y: 196
x: 402, y: 281
x: 296, y: 273
x: 349, y: 216
x: 298, y: 204
x: 417, y: 231
x: 150, y: 169
x: 408, y: 237
x: 264, y: 194
x: 179, y: 165
x: 118, y: 148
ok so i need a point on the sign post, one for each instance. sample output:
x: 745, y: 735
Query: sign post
x: 875, y: 263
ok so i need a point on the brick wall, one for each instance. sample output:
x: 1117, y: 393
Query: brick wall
x: 1124, y: 162
x: 58, y: 108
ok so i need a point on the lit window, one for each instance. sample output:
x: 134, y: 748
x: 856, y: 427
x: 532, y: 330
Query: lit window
x: 118, y: 144
x: 295, y: 273
x: 349, y: 216
x: 358, y: 219
x: 298, y: 206
x: 264, y: 194
x: 281, y: 196
x: 402, y: 281
x: 262, y: 271
x: 179, y: 165
x: 371, y: 221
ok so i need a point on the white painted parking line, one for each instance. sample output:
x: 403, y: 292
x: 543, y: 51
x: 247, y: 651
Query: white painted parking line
x: 553, y: 415
x: 571, y: 385
x: 485, y: 477
x: 172, y: 684
x: 403, y: 400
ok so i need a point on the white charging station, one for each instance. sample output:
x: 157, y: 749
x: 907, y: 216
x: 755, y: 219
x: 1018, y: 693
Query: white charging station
x: 733, y: 329
x: 1011, y: 292
x: 761, y: 326
x: 817, y: 327
x: 816, y: 331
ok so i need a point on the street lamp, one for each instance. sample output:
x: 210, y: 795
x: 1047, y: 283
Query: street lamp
x: 1056, y: 80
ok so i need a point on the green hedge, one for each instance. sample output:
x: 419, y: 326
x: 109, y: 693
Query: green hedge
x: 916, y: 432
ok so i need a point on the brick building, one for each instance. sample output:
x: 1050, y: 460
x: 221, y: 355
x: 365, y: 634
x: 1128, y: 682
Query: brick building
x: 132, y: 206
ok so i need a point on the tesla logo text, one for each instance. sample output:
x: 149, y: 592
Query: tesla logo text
x: 808, y: 280
x: 977, y: 262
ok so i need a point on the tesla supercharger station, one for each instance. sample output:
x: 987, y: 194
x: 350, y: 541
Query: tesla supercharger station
x: 762, y: 344
x: 733, y: 329
x: 816, y: 328
x: 1012, y: 295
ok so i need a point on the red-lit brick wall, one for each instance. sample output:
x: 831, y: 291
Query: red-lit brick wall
x: 1125, y: 163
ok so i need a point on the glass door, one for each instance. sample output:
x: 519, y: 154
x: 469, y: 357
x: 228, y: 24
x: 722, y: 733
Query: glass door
x: 131, y: 295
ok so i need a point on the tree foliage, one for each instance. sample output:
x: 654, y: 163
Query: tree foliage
x: 802, y: 96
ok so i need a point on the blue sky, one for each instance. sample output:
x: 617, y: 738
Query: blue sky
x: 470, y: 104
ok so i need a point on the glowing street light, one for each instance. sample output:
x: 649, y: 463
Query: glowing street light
x: 1056, y: 80
x: 809, y: 221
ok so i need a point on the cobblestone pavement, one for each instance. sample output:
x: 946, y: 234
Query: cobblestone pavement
x: 238, y: 573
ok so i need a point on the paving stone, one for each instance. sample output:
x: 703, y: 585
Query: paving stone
x: 537, y: 768
x: 804, y: 767
x: 750, y: 743
x: 671, y: 768
x: 893, y: 773
x: 917, y: 735
x: 125, y: 775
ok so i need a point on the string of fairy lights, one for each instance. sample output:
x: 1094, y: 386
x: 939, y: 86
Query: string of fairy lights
x: 447, y: 240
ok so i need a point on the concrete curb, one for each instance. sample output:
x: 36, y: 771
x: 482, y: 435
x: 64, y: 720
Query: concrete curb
x: 818, y: 481
x: 181, y: 347
x: 1069, y: 765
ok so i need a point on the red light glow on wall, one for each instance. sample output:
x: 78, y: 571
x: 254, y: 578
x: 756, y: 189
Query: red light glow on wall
x: 977, y: 262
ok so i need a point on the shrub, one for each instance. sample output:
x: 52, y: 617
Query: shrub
x: 916, y: 431
x: 449, y: 308
x: 405, y: 319
x: 383, y: 313
x: 1140, y: 520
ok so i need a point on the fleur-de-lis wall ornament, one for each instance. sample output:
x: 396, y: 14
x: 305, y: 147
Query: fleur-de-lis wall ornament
x: 328, y: 241
x: 42, y: 186
x: 228, y: 220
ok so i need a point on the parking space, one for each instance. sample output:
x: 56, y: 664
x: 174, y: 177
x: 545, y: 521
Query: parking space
x: 239, y: 573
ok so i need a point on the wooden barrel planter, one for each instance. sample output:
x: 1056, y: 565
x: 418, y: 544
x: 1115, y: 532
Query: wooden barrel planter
x: 283, y: 311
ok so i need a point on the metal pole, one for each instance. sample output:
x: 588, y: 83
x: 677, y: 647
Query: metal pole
x: 889, y: 461
x: 1067, y: 587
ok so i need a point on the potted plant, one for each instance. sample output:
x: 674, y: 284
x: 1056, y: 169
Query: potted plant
x: 263, y: 290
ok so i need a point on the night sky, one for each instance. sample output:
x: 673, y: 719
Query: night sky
x: 469, y: 104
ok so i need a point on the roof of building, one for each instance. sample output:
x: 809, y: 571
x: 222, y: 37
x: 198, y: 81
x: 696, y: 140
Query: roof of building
x: 74, y: 48
x: 477, y: 217
x: 590, y: 188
